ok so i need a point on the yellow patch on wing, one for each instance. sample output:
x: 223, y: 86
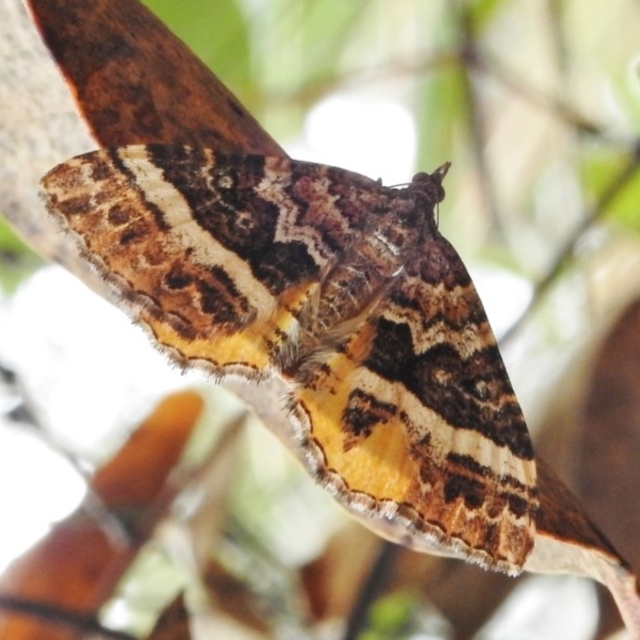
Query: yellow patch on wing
x: 379, y: 465
x: 248, y: 351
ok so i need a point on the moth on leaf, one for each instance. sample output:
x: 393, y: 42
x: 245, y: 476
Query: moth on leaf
x: 256, y: 266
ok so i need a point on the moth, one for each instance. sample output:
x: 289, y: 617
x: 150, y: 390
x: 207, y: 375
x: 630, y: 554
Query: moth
x: 257, y: 266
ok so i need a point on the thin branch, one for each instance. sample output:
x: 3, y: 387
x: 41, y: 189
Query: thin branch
x: 491, y: 67
x: 373, y: 585
x: 308, y: 93
x: 558, y: 35
x: 616, y: 185
x: 56, y: 615
x: 469, y: 54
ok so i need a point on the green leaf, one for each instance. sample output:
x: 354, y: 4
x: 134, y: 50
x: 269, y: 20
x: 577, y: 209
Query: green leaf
x: 391, y: 617
x: 481, y: 13
x: 218, y: 35
x: 17, y: 261
x: 441, y: 116
x: 601, y: 168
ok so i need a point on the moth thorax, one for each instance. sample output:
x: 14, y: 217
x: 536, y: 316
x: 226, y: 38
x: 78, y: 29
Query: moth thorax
x: 360, y: 280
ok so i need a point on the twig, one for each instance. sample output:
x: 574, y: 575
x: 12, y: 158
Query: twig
x: 57, y: 615
x: 557, y: 107
x: 616, y: 185
x: 371, y: 589
x: 469, y: 55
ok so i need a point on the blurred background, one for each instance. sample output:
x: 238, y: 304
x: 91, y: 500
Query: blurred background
x: 537, y: 105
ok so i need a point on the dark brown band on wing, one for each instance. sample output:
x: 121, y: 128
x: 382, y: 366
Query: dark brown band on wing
x: 224, y: 202
x: 469, y: 393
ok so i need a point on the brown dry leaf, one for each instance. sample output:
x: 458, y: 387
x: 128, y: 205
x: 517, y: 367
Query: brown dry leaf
x: 84, y: 45
x: 149, y: 454
x: 76, y: 566
x: 39, y: 129
x: 232, y: 597
x: 591, y: 434
x: 333, y: 580
x: 608, y: 449
x: 134, y: 81
x: 445, y: 580
x: 567, y: 541
x: 173, y: 623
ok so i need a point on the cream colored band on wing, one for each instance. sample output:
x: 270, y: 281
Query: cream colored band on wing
x: 186, y: 230
x: 289, y: 228
x: 466, y: 341
x: 444, y: 437
x: 471, y: 339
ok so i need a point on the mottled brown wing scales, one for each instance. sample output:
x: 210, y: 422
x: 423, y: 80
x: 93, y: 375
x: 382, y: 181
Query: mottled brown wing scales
x: 427, y: 366
x: 390, y: 444
x: 471, y: 442
x: 254, y: 265
x: 205, y: 268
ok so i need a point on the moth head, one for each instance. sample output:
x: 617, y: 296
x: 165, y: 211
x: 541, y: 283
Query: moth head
x: 429, y: 185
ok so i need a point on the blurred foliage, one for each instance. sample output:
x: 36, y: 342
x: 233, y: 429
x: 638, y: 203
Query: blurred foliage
x: 534, y: 102
x: 537, y: 104
x: 391, y: 617
x: 219, y: 36
x: 17, y: 261
x: 486, y: 81
x: 9, y: 241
